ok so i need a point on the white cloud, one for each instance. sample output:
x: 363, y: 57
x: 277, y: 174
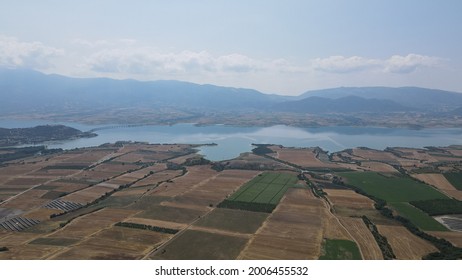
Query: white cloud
x: 341, y: 64
x: 409, y: 63
x: 147, y: 61
x: 35, y: 55
x: 394, y: 64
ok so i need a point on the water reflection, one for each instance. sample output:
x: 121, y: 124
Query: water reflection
x: 233, y: 140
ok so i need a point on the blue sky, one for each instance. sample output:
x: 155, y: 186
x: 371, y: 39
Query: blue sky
x: 284, y: 47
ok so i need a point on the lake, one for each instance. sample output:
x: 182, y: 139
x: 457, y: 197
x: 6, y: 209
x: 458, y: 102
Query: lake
x: 234, y: 140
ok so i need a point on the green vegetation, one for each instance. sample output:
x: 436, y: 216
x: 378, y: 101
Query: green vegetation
x: 262, y: 149
x: 147, y: 227
x: 418, y: 218
x: 55, y: 241
x: 392, y: 189
x: 455, y: 179
x: 334, y: 249
x: 439, y: 206
x: 397, y: 191
x: 261, y: 194
x: 18, y: 153
x: 387, y: 251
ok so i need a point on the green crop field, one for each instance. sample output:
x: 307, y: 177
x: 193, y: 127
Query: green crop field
x: 439, y: 206
x: 455, y: 179
x: 418, y: 217
x: 397, y: 192
x: 265, y: 188
x: 340, y: 250
x: 392, y: 189
x: 262, y: 193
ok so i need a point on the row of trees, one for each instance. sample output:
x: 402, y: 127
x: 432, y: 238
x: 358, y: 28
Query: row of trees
x: 147, y: 227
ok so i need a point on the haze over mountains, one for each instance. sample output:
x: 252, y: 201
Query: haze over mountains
x: 34, y: 92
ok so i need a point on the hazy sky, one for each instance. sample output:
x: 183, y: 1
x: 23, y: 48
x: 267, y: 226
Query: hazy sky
x: 283, y: 46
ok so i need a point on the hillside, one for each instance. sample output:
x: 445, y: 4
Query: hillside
x: 33, y: 91
x: 38, y: 134
x: 31, y: 94
x: 346, y: 105
x: 415, y: 97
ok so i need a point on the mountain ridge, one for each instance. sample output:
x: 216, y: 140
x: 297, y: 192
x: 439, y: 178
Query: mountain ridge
x: 34, y: 92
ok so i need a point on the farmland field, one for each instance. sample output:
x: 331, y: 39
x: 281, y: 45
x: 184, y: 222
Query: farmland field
x: 405, y: 245
x: 391, y: 189
x: 455, y: 179
x: 334, y: 249
x: 264, y: 192
x: 72, y: 214
x: 199, y: 245
x: 233, y: 220
x: 364, y: 238
x: 293, y: 231
x: 418, y: 217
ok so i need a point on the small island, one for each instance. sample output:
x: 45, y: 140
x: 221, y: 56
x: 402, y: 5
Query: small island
x: 39, y: 134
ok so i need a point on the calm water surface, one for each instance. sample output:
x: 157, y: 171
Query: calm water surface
x: 233, y: 140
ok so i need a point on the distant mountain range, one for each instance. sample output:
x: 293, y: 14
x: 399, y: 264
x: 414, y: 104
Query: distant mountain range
x: 34, y: 92
x: 412, y: 97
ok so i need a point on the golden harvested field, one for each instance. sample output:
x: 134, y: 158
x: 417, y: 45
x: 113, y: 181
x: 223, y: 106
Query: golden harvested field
x: 293, y: 231
x: 28, y: 252
x: 211, y: 191
x: 363, y: 237
x: 405, y: 245
x: 252, y: 161
x: 435, y: 179
x: 183, y: 159
x: 419, y: 154
x: 301, y: 156
x: 17, y: 238
x: 27, y: 200
x: 158, y: 177
x: 455, y: 152
x: 93, y: 222
x: 333, y: 229
x: 138, y: 191
x: 89, y: 157
x: 67, y: 186
x: 115, y: 168
x: 41, y: 214
x: 28, y: 181
x: 14, y: 170
x: 348, y: 198
x: 456, y: 194
x: 377, y: 166
x: 375, y: 155
x: 156, y: 223
x: 172, y: 214
x: 196, y: 175
x: 87, y: 195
